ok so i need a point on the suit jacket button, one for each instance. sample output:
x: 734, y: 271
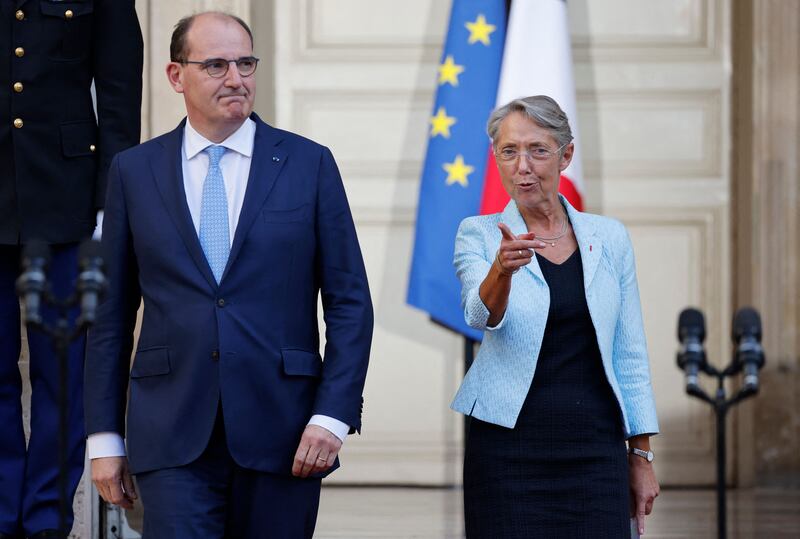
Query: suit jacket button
x: 20, y: 15
x: 92, y: 148
x: 18, y: 123
x: 68, y: 14
x: 215, y: 355
x: 20, y: 52
x: 18, y: 87
x: 221, y: 302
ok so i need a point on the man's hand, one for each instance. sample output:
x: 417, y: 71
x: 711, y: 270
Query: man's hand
x: 317, y: 451
x: 113, y: 481
x: 644, y: 489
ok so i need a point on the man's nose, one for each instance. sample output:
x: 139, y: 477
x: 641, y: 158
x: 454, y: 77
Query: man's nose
x: 232, y: 77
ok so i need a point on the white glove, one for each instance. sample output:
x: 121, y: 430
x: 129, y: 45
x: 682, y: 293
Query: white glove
x: 98, y: 230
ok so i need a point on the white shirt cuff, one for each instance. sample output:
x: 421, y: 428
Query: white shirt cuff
x: 105, y: 444
x: 336, y: 427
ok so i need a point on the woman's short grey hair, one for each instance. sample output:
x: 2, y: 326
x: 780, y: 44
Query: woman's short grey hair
x: 541, y: 110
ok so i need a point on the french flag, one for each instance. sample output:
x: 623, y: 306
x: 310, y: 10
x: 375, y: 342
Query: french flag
x: 537, y: 60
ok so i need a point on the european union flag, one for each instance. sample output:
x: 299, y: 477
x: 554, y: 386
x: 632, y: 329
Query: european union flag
x: 452, y: 179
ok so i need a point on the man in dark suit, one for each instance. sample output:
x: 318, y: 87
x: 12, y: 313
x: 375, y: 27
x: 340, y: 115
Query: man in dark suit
x: 55, y: 155
x: 230, y: 230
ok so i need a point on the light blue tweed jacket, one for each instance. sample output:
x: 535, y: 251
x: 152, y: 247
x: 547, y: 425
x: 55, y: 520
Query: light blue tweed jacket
x: 498, y: 381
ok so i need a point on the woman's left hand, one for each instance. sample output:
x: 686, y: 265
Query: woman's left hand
x: 644, y: 489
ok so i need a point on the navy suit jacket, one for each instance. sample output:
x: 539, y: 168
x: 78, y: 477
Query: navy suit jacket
x: 251, y: 342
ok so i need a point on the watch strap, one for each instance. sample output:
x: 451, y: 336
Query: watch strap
x: 646, y: 455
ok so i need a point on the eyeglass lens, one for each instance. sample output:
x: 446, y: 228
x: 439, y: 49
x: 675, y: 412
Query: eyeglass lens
x: 218, y: 67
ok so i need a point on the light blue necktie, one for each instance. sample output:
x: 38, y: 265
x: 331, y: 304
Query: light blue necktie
x: 214, y: 231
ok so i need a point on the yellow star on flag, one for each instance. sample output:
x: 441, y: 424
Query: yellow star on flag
x: 441, y: 123
x: 479, y: 30
x: 457, y: 171
x: 449, y: 72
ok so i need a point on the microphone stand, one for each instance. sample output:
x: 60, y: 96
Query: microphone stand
x: 721, y: 405
x: 61, y: 334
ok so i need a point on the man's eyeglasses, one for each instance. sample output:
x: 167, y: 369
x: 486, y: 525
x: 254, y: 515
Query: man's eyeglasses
x: 537, y: 153
x: 218, y: 67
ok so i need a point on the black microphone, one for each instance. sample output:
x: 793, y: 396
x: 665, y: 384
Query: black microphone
x: 32, y: 283
x: 691, y: 355
x: 91, y: 281
x: 749, y: 355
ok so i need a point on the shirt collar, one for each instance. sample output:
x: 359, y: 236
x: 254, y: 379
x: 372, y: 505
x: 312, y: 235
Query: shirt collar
x: 241, y: 141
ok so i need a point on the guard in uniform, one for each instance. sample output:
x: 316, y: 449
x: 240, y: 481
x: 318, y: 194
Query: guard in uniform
x: 54, y: 154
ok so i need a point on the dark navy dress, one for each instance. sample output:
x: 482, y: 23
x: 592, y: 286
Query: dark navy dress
x: 562, y: 472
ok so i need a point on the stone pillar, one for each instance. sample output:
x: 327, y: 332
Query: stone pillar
x: 766, y: 211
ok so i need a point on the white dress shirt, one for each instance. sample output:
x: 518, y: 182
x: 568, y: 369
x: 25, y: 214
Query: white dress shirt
x: 235, y: 165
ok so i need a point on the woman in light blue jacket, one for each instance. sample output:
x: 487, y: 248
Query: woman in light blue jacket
x: 562, y: 379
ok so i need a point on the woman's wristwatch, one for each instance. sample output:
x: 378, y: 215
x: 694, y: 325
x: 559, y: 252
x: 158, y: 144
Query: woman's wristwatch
x: 646, y: 455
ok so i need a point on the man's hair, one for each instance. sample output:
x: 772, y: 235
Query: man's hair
x: 177, y: 46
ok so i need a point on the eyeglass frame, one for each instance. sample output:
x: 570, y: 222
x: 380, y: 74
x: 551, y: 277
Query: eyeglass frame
x: 205, y: 65
x: 528, y: 155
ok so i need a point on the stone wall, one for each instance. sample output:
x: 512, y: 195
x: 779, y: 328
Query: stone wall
x: 766, y: 64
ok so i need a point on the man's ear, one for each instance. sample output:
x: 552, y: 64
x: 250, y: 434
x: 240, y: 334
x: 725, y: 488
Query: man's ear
x: 175, y: 76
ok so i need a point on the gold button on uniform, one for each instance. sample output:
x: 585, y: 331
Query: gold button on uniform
x: 68, y: 14
x: 20, y: 52
x: 18, y: 87
x: 18, y: 123
x: 92, y: 147
x: 19, y: 14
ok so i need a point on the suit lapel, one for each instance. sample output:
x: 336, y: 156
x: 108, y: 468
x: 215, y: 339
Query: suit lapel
x: 266, y: 164
x: 589, y: 243
x: 168, y: 174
